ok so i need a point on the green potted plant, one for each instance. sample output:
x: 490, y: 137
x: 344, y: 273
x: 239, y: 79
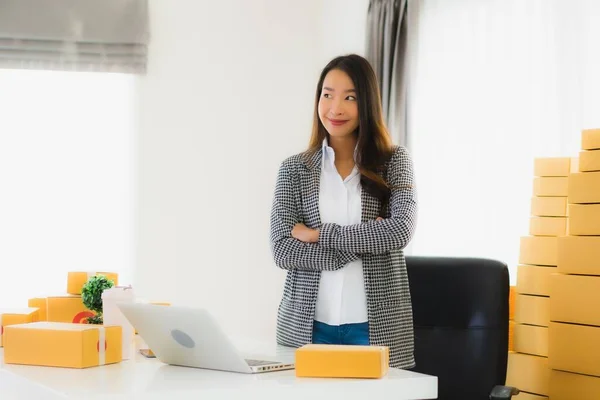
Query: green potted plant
x: 91, y: 294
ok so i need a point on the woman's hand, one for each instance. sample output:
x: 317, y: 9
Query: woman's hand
x: 305, y: 234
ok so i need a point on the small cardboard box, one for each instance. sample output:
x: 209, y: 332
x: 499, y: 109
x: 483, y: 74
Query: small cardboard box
x: 56, y: 344
x: 590, y: 139
x: 570, y: 386
x: 579, y: 255
x: 584, y: 188
x: 574, y: 348
x: 551, y: 186
x: 12, y: 316
x: 589, y: 161
x: 538, y: 250
x: 531, y: 339
x: 554, y: 166
x: 67, y: 308
x: 339, y: 361
x: 532, y: 310
x: 534, y: 280
x: 548, y: 226
x: 76, y: 280
x: 575, y: 299
x: 584, y: 220
x: 549, y: 206
x: 528, y: 373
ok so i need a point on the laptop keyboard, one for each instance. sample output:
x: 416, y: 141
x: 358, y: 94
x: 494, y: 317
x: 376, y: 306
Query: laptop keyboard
x: 257, y: 363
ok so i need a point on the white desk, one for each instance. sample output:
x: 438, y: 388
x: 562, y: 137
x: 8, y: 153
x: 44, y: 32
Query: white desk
x: 143, y: 378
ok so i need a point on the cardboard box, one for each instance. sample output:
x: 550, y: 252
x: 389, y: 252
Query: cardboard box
x: 512, y: 294
x: 584, y: 188
x: 532, y: 310
x: 549, y: 206
x: 590, y: 139
x: 339, y: 361
x: 552, y: 166
x: 40, y: 304
x: 534, y: 280
x: 589, y: 161
x: 569, y: 386
x: 531, y: 339
x: 584, y: 219
x: 538, y: 250
x: 62, y: 345
x: 67, y: 308
x: 528, y: 373
x: 76, y: 280
x: 575, y: 299
x: 551, y: 186
x: 12, y: 316
x: 579, y: 255
x: 574, y: 348
x: 548, y: 226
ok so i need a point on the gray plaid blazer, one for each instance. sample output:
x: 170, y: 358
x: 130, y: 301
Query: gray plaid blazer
x: 378, y: 243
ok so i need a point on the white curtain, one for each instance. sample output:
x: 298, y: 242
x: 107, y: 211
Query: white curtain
x: 494, y: 84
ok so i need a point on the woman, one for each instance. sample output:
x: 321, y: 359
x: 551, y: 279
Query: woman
x: 342, y: 213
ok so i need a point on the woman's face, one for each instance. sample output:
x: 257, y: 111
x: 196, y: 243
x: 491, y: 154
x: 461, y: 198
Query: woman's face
x: 338, y: 107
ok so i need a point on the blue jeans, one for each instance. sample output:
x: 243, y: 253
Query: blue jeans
x: 353, y: 334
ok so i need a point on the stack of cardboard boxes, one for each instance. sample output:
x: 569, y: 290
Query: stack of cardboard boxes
x: 574, y: 333
x: 528, y: 364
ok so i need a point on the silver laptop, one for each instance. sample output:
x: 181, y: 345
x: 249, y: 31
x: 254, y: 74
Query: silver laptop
x: 191, y: 337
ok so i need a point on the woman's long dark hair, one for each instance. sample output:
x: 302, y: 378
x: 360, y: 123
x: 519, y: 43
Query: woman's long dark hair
x: 374, y: 147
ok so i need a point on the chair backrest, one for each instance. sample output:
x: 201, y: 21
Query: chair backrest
x: 460, y: 311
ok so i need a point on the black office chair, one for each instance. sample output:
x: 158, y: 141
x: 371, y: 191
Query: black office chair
x: 460, y: 311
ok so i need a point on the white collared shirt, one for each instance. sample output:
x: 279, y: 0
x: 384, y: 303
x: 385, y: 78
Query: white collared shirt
x: 341, y: 298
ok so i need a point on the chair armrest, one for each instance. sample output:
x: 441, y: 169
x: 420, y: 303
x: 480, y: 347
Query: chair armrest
x: 503, y: 392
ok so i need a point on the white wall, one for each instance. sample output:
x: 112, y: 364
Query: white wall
x: 228, y: 95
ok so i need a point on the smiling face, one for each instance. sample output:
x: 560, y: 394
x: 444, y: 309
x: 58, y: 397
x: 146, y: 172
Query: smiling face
x: 338, y: 106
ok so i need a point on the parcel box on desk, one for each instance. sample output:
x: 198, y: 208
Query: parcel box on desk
x: 584, y: 188
x: 574, y: 348
x: 532, y: 310
x: 340, y: 361
x: 56, y: 344
x: 16, y: 316
x: 531, y: 339
x: 538, y: 250
x: 579, y: 255
x: 584, y: 219
x: 575, y: 299
x: 590, y: 139
x: 570, y: 386
x: 67, y: 308
x: 554, y: 166
x: 535, y: 280
x: 551, y: 186
x: 549, y: 206
x: 547, y: 226
x: 76, y: 280
x: 528, y: 373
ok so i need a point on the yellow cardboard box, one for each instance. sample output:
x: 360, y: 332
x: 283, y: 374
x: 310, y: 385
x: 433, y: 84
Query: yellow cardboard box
x: 531, y: 339
x: 40, y: 304
x: 554, y: 166
x: 590, y: 139
x: 76, y: 280
x: 584, y: 219
x: 339, y: 361
x: 532, y: 310
x: 528, y: 373
x: 57, y: 344
x: 14, y: 316
x: 551, y: 186
x: 67, y: 308
x: 534, y: 280
x: 589, y: 160
x: 574, y: 348
x: 569, y: 386
x: 538, y: 250
x: 547, y: 226
x: 549, y: 206
x: 575, y: 299
x: 579, y: 255
x: 584, y: 187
